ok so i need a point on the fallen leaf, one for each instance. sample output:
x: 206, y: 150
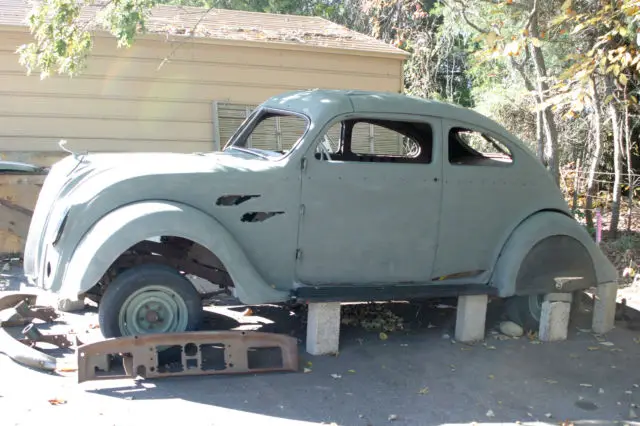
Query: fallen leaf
x: 628, y: 392
x: 586, y: 385
x: 636, y: 339
x: 490, y: 413
x: 393, y: 417
x: 307, y: 370
x: 57, y: 401
x: 491, y: 377
x: 336, y: 376
x: 491, y: 347
x: 423, y: 391
x: 464, y: 348
x: 606, y: 343
x: 548, y: 415
x: 352, y: 371
x: 593, y: 348
x: 383, y: 335
x: 550, y: 381
x: 574, y: 356
x: 535, y: 342
x: 309, y: 364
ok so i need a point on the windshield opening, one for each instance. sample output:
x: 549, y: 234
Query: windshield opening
x: 268, y: 134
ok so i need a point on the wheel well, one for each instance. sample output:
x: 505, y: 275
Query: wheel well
x: 180, y: 253
x: 556, y: 256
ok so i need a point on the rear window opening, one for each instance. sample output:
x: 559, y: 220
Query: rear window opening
x: 472, y: 148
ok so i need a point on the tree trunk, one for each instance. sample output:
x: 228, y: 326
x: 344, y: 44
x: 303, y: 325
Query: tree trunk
x: 616, y: 123
x: 540, y: 136
x: 596, y: 122
x: 550, y: 129
x: 630, y: 177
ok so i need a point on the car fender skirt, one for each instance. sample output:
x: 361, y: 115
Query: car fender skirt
x: 122, y: 228
x: 550, y: 252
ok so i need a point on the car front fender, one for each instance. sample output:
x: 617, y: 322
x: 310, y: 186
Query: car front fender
x: 550, y: 252
x: 120, y: 229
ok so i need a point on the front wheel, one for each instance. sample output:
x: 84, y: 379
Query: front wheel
x: 149, y: 299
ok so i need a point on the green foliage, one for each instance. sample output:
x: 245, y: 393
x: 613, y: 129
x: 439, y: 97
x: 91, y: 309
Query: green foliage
x: 62, y: 38
x: 62, y: 35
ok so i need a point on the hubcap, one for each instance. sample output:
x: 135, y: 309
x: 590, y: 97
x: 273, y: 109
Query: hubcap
x: 153, y: 309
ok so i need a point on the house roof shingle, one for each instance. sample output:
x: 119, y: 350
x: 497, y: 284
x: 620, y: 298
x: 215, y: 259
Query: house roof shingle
x: 224, y: 24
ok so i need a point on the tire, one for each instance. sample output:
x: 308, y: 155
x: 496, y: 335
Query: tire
x: 149, y: 299
x: 525, y: 311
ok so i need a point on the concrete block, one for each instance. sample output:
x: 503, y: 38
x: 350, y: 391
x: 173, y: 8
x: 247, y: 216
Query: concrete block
x: 554, y: 321
x: 604, y: 309
x: 70, y: 305
x: 323, y: 328
x: 470, y: 318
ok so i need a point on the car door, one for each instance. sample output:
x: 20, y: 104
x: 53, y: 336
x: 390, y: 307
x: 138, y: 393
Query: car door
x: 481, y: 202
x: 370, y: 205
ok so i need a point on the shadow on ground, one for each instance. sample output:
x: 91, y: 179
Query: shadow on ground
x: 421, y: 376
x: 418, y: 375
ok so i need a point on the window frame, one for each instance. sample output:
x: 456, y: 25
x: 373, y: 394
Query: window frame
x: 347, y: 123
x: 254, y: 119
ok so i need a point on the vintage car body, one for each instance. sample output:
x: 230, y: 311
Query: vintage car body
x: 313, y: 225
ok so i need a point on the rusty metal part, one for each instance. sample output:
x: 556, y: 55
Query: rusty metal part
x: 9, y: 299
x: 187, y: 354
x: 13, y: 348
x: 11, y: 318
x: 44, y: 313
x: 33, y: 336
x: 24, y: 354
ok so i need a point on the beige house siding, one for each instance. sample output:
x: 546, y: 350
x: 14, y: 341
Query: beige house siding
x: 126, y: 101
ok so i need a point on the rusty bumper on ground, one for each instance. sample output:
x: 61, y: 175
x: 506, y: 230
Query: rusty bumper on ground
x: 187, y: 354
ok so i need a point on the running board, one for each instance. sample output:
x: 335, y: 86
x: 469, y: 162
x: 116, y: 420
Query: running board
x: 376, y: 293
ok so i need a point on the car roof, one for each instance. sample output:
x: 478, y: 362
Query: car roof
x: 345, y: 101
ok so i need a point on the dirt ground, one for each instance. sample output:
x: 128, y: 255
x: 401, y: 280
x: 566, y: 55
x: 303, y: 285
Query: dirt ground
x: 417, y: 376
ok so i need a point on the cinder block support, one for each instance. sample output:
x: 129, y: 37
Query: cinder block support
x: 604, y: 309
x: 471, y: 316
x: 323, y: 328
x: 554, y: 318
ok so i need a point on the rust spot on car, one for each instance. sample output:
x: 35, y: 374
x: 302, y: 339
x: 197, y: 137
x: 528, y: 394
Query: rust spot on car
x: 234, y: 200
x: 258, y: 216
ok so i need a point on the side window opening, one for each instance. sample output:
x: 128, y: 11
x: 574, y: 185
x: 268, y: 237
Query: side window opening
x: 473, y: 148
x: 387, y: 141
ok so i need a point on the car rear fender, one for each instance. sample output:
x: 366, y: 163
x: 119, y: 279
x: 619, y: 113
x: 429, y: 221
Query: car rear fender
x: 120, y: 229
x: 549, y: 248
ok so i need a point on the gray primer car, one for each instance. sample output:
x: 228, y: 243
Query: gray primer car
x: 325, y: 219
